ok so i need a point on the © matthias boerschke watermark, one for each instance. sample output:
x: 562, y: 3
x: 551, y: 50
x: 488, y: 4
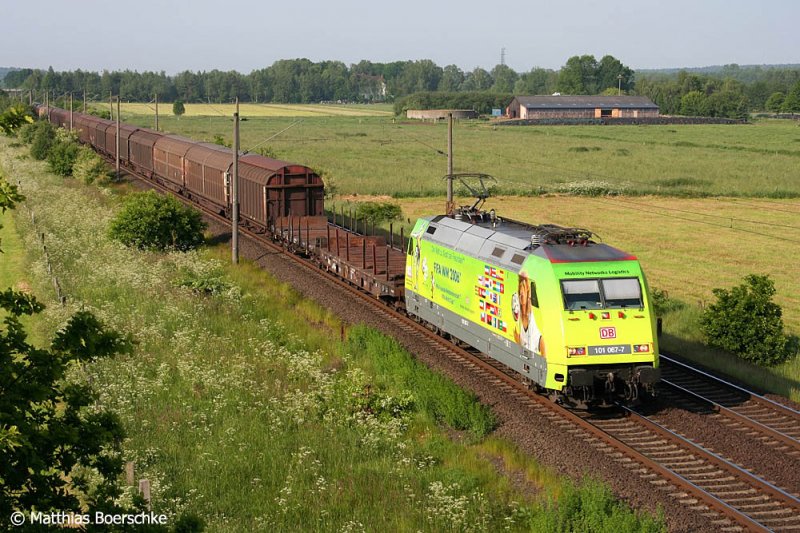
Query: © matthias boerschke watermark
x: 61, y: 518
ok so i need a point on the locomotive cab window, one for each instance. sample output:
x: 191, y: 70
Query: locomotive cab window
x: 601, y: 293
x: 581, y: 294
x: 622, y: 292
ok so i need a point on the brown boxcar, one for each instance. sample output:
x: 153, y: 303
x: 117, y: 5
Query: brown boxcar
x: 97, y: 133
x: 291, y: 190
x: 80, y: 123
x: 125, y: 132
x: 206, y: 168
x: 59, y: 117
x: 110, y: 140
x: 140, y: 145
x: 168, y: 158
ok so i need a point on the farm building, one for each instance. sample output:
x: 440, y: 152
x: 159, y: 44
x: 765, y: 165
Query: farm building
x: 536, y: 107
x: 441, y: 114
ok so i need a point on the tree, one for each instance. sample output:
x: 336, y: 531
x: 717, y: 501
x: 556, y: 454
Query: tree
x: 537, y: 81
x: 745, y: 321
x: 150, y: 221
x: 608, y: 75
x: 178, y: 108
x: 775, y: 102
x: 452, y: 78
x: 694, y: 104
x: 791, y: 104
x: 578, y: 76
x: 504, y: 79
x: 478, y: 80
x: 52, y: 433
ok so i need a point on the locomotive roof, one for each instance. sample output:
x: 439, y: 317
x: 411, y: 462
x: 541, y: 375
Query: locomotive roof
x: 509, y: 242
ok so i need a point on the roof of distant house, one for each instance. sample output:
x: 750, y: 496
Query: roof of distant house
x: 585, y: 102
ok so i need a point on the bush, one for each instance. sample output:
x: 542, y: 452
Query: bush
x: 662, y: 303
x: 62, y: 157
x: 150, y: 221
x: 15, y: 117
x: 378, y: 212
x: 44, y: 136
x: 745, y: 321
x: 178, y: 108
x: 89, y: 167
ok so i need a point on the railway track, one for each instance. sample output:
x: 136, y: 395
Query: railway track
x: 774, y: 424
x: 731, y: 497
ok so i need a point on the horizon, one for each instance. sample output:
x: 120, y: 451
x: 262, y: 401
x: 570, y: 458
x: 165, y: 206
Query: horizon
x: 349, y: 65
x: 245, y: 35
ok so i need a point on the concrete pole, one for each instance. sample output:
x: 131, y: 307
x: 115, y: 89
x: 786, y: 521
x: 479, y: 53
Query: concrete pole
x: 117, y: 138
x: 156, y: 111
x: 84, y: 101
x: 235, y: 189
x: 450, y: 202
x: 70, y: 111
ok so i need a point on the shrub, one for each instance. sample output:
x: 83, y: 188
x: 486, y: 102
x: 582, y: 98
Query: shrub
x: 89, y: 167
x: 62, y: 157
x: 208, y: 282
x: 42, y: 140
x: 150, y: 221
x: 378, y: 212
x: 745, y: 321
x: 662, y: 303
x: 15, y: 117
x: 178, y: 108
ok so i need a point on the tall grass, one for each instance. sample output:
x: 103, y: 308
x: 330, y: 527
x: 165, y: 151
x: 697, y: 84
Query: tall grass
x: 242, y: 406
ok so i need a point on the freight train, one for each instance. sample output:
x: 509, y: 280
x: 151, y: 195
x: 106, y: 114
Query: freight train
x: 570, y: 315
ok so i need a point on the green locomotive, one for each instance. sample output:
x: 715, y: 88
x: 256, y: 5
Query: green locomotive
x: 570, y: 315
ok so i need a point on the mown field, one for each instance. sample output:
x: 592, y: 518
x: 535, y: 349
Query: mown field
x: 245, y: 407
x: 262, y: 110
x: 396, y: 157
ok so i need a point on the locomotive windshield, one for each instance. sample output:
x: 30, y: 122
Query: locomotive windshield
x: 601, y: 293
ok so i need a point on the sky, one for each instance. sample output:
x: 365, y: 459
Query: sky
x: 244, y: 35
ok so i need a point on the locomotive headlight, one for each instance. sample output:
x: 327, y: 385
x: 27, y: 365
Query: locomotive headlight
x: 581, y: 350
x: 641, y: 348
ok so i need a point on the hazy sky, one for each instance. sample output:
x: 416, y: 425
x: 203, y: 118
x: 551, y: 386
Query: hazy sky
x: 243, y: 35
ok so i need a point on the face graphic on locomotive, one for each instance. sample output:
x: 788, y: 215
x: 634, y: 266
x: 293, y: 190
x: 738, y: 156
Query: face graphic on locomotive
x: 530, y: 335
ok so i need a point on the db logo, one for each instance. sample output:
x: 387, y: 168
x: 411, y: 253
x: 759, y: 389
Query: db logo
x: 608, y: 333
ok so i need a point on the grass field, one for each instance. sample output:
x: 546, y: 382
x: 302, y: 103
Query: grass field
x: 247, y: 408
x: 392, y: 156
x: 261, y: 110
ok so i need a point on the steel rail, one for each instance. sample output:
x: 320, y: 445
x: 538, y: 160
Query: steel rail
x: 758, y: 397
x: 743, y: 419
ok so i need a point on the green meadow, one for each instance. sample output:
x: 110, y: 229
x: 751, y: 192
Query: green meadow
x: 387, y: 155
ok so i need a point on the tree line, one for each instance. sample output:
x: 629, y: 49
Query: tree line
x: 732, y: 91
x: 303, y: 81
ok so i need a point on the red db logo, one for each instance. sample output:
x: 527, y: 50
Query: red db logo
x: 608, y: 333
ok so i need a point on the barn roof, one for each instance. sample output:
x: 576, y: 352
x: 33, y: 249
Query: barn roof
x: 586, y: 102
